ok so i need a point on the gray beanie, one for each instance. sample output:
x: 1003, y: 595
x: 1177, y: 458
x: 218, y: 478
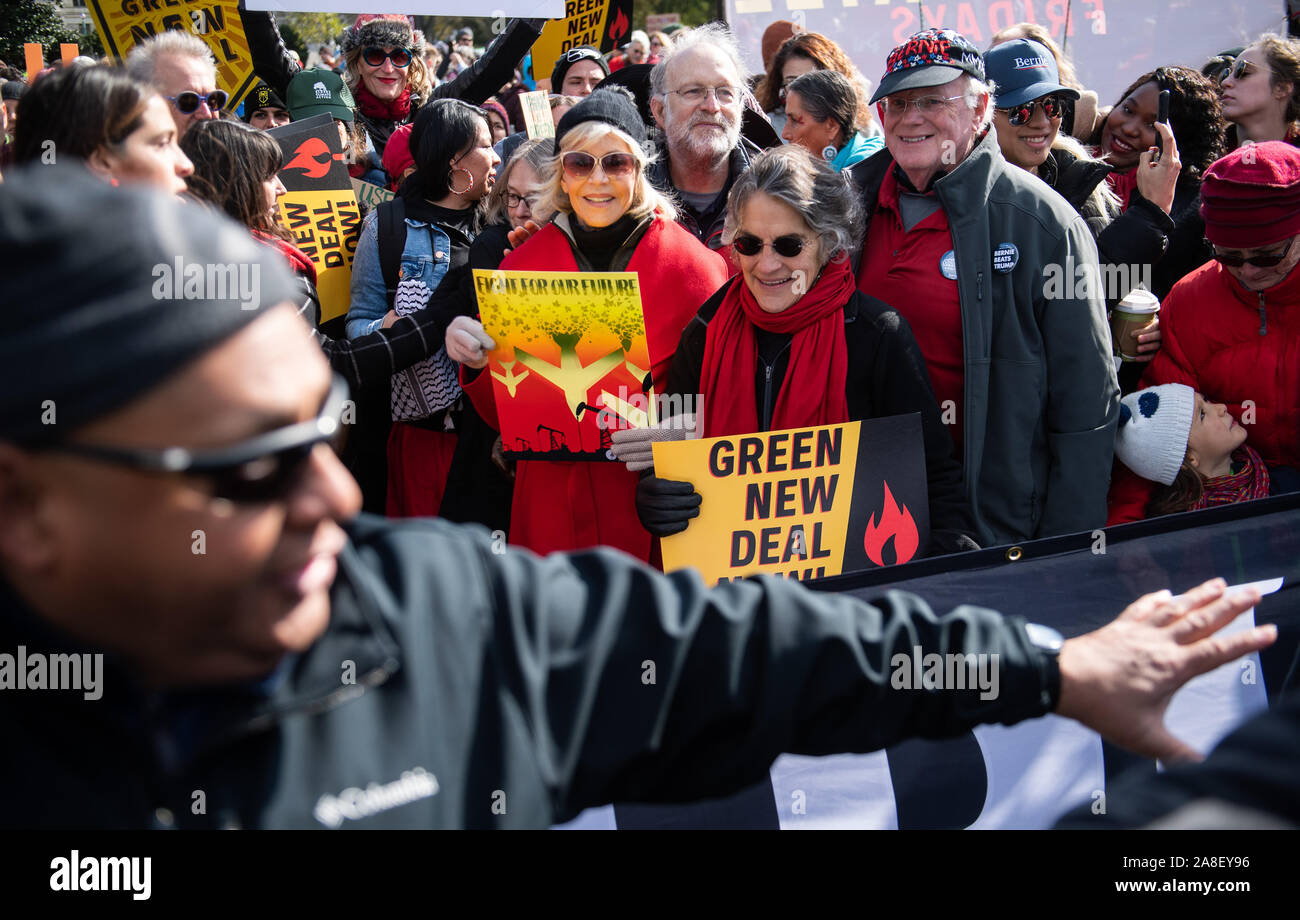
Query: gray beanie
x: 1154, y: 425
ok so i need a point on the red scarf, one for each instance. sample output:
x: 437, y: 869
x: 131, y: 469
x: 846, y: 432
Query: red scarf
x: 813, y: 390
x: 298, y: 260
x: 1250, y: 482
x: 1123, y: 184
x: 372, y: 106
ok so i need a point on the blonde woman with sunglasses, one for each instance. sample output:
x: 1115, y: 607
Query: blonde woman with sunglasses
x: 608, y: 217
x: 1261, y: 93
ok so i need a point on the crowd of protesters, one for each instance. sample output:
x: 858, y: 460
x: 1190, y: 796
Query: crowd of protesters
x: 895, y: 255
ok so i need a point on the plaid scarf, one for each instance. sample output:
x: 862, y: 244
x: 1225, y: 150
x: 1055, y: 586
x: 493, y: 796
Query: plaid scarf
x: 1249, y: 482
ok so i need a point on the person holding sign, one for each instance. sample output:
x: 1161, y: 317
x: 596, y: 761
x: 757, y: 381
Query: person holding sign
x: 609, y: 218
x: 790, y: 343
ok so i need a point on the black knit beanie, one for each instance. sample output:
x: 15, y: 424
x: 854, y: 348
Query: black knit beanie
x: 612, y: 105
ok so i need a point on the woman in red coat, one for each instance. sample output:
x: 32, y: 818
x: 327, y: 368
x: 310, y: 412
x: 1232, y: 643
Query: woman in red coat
x: 608, y: 218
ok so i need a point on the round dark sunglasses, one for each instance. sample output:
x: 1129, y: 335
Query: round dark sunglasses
x: 1236, y: 260
x: 375, y: 57
x: 187, y: 103
x: 787, y: 247
x: 580, y: 165
x: 262, y: 469
x: 1053, y: 107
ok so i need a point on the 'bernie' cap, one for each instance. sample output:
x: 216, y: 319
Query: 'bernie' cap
x: 614, y: 106
x: 319, y: 92
x: 1251, y: 197
x: 568, y: 59
x: 1022, y: 71
x: 129, y: 309
x: 930, y: 58
x: 262, y: 97
x: 1154, y: 425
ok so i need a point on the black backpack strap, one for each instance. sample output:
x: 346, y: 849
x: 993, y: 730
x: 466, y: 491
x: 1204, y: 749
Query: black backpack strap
x: 391, y: 216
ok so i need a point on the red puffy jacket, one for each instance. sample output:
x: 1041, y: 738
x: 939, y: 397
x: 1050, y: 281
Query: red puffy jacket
x: 562, y: 505
x: 1237, y: 347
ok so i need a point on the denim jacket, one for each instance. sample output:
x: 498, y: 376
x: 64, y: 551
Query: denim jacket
x: 427, y: 255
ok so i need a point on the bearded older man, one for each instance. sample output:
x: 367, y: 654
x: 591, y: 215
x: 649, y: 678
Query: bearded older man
x: 959, y: 242
x: 696, y: 98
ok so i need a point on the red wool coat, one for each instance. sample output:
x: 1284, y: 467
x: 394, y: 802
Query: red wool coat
x: 1235, y: 346
x: 566, y: 506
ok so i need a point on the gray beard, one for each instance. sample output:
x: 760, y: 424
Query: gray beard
x: 705, y: 149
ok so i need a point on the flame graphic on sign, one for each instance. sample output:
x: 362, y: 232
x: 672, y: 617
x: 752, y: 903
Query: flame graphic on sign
x: 307, y: 158
x: 619, y: 27
x: 894, y: 522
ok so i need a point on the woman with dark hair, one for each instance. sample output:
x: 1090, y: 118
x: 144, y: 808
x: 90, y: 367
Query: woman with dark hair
x: 800, y: 54
x: 1169, y: 234
x: 608, y: 217
x: 771, y: 350
x: 1261, y: 92
x: 821, y: 115
x: 121, y: 128
x: 408, y: 247
x: 235, y: 171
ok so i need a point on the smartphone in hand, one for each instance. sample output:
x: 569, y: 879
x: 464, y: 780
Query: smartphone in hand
x: 1162, y: 116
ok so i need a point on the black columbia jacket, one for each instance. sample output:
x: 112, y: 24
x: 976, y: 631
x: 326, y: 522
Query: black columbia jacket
x: 462, y: 684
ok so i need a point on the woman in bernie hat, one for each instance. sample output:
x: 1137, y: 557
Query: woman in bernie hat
x: 385, y: 67
x: 789, y: 342
x: 1193, y: 450
x: 1232, y: 327
x: 608, y: 218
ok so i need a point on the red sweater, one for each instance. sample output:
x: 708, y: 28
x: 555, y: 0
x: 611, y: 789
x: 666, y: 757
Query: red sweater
x: 566, y: 506
x: 1237, y: 347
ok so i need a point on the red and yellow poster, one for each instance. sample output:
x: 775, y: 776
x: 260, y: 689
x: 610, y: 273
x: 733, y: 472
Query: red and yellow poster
x: 570, y: 359
x: 123, y: 24
x: 601, y: 24
x: 320, y: 208
x: 802, y: 503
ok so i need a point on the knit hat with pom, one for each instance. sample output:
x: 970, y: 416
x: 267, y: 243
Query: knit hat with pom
x: 1154, y: 425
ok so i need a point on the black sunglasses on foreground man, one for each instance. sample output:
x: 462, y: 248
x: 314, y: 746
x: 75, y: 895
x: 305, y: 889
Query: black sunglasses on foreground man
x: 276, y: 649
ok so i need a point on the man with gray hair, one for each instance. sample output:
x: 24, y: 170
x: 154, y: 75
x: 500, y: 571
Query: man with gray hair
x: 181, y: 67
x: 697, y: 98
x: 958, y: 241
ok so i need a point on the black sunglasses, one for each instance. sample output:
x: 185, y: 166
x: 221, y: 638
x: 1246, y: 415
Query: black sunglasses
x: 1053, y: 107
x: 1238, y: 68
x: 1236, y: 260
x: 187, y: 103
x: 580, y: 165
x: 262, y: 469
x: 375, y: 57
x: 785, y: 246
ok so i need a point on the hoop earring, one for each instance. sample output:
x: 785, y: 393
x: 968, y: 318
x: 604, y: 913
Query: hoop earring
x: 461, y: 191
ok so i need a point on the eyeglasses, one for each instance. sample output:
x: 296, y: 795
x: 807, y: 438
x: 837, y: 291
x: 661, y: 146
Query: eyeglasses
x: 187, y: 103
x: 787, y: 247
x: 1236, y: 260
x: 513, y: 201
x: 896, y: 106
x: 580, y: 165
x: 1238, y: 69
x: 375, y: 57
x: 1053, y: 107
x: 694, y: 95
x: 262, y: 469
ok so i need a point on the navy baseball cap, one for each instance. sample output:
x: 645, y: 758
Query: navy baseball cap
x: 930, y: 58
x: 1022, y: 71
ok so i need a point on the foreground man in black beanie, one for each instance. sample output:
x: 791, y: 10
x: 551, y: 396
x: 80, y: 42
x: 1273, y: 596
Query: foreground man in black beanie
x: 175, y: 530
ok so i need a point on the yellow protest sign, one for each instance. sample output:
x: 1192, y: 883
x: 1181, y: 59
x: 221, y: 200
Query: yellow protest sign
x: 570, y: 359
x: 123, y: 24
x: 601, y: 24
x: 801, y: 503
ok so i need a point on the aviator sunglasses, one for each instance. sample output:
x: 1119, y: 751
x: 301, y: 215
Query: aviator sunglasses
x: 375, y: 57
x: 1053, y: 107
x: 580, y: 165
x: 787, y: 247
x: 262, y: 469
x: 187, y: 103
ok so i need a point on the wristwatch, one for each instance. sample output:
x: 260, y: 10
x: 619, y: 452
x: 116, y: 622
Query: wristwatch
x: 1049, y: 642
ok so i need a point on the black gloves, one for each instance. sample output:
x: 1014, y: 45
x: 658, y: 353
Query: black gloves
x: 665, y: 506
